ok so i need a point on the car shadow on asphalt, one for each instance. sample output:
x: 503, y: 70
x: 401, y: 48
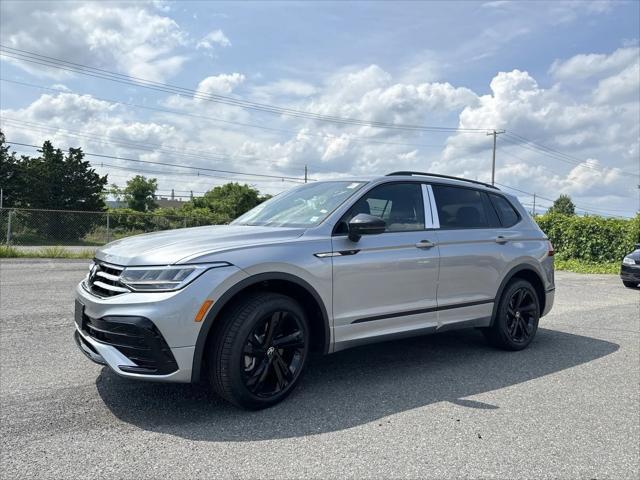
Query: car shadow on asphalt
x: 352, y: 387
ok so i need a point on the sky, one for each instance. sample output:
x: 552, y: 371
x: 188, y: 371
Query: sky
x: 562, y: 79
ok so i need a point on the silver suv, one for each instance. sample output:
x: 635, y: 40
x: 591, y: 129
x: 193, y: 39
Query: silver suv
x: 323, y: 267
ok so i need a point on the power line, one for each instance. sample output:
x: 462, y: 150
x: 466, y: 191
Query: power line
x: 52, y: 62
x: 111, y: 176
x: 38, y: 127
x: 522, y: 142
x: 171, y: 173
x: 324, y: 136
x: 578, y: 207
x: 263, y: 175
x: 115, y: 141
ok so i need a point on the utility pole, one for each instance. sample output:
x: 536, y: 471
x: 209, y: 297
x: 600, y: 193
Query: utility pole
x: 1, y: 195
x: 305, y: 174
x: 495, y: 134
x: 534, y: 204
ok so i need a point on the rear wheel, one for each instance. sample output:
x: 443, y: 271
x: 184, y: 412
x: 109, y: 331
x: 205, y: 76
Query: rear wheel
x: 259, y: 351
x: 630, y: 284
x: 517, y: 317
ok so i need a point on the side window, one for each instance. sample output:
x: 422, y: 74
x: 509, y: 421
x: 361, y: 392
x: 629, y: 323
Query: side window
x: 463, y: 208
x: 508, y: 215
x: 398, y: 204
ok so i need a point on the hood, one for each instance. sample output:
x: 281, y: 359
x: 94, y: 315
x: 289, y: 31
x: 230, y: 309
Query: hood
x: 171, y: 246
x: 636, y: 253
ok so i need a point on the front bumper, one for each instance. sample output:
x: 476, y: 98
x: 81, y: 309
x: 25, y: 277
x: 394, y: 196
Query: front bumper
x: 148, y: 335
x: 630, y: 273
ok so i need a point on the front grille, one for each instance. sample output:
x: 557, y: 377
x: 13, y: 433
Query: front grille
x: 137, y: 338
x: 104, y: 280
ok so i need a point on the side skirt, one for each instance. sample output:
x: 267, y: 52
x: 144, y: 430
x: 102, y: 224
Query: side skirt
x: 476, y: 322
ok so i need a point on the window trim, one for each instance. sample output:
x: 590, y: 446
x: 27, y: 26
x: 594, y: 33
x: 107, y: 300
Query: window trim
x: 431, y: 219
x: 401, y: 182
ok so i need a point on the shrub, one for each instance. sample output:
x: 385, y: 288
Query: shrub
x: 591, y: 239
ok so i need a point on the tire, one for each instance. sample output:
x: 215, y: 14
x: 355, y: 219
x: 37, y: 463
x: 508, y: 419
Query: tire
x: 259, y: 350
x: 516, y: 321
x: 630, y: 284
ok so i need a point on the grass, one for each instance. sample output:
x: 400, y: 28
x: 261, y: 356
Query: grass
x: 44, y: 252
x: 581, y: 266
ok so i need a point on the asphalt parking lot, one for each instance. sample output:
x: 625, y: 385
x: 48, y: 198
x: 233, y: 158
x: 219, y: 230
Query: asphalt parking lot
x: 443, y: 406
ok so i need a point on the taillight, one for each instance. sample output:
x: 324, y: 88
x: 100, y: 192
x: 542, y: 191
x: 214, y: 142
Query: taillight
x: 550, y: 252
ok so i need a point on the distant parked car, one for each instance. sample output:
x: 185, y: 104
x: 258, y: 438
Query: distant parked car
x: 630, y: 269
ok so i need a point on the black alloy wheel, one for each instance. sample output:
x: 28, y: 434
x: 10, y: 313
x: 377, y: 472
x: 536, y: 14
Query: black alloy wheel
x: 521, y: 315
x: 273, y: 354
x: 258, y: 350
x: 516, y: 318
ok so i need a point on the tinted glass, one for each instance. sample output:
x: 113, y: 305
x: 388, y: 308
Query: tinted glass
x: 304, y: 206
x: 398, y: 204
x: 463, y: 208
x: 508, y: 215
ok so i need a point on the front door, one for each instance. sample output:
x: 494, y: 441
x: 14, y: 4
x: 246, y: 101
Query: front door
x: 385, y: 284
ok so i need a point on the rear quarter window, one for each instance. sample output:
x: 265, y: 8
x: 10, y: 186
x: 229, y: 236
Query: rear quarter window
x: 507, y: 214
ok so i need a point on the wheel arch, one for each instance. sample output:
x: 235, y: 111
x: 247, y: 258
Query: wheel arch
x: 280, y: 282
x: 526, y: 272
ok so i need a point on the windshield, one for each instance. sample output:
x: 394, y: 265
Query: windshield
x: 305, y: 206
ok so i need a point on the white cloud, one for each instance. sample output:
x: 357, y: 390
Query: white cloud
x: 602, y: 128
x: 597, y: 126
x: 129, y: 36
x: 213, y: 39
x: 370, y: 93
x: 220, y: 84
x: 590, y: 177
x: 595, y: 64
x: 60, y: 86
x: 620, y: 88
x: 283, y: 88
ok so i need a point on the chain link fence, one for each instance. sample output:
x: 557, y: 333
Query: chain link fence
x: 29, y: 227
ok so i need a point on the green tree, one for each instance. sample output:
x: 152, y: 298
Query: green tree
x: 54, y: 180
x: 225, y: 203
x: 57, y: 181
x: 140, y: 193
x: 11, y: 181
x: 563, y: 205
x: 115, y: 191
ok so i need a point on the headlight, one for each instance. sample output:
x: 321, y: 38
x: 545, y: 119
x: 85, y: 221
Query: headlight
x: 628, y: 261
x: 164, y: 279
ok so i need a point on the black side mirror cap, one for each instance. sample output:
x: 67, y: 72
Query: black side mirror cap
x: 364, y: 224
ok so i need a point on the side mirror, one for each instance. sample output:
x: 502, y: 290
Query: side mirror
x: 363, y: 224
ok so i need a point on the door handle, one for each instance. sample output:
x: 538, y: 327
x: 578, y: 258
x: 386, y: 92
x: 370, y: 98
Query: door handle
x: 501, y: 240
x: 425, y: 244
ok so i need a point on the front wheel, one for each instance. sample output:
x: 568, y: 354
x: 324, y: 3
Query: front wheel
x: 630, y: 284
x: 259, y: 350
x: 517, y: 317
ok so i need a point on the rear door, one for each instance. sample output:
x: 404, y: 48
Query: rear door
x: 471, y: 258
x: 385, y: 284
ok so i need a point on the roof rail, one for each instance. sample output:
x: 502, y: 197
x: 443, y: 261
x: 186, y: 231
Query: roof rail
x: 437, y: 175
